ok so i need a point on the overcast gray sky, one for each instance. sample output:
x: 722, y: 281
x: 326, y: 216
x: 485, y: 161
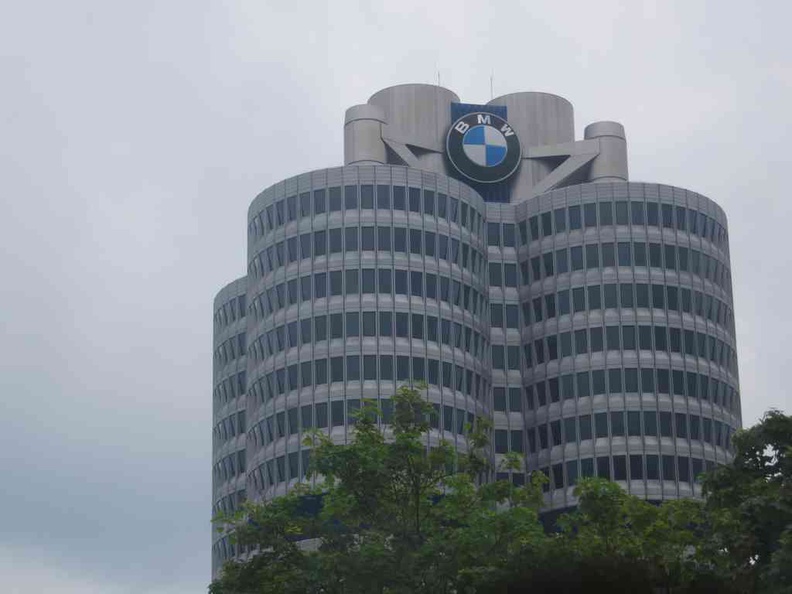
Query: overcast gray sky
x: 133, y: 136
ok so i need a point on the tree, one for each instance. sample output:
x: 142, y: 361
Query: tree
x: 749, y: 507
x: 393, y: 516
x: 396, y: 512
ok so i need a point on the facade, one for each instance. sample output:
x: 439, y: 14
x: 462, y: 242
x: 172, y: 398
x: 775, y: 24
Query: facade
x: 516, y: 270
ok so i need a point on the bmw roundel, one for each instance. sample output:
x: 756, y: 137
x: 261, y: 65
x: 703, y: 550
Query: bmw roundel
x: 483, y: 147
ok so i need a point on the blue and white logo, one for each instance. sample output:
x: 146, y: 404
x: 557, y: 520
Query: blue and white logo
x: 483, y: 147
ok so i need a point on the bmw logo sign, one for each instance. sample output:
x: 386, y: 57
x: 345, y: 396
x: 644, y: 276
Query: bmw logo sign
x: 483, y: 147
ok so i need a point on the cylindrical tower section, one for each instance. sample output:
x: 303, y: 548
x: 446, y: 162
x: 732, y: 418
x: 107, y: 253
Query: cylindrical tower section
x: 629, y: 338
x: 419, y: 114
x: 611, y: 163
x: 371, y: 281
x: 228, y: 411
x: 539, y: 119
x: 363, y: 142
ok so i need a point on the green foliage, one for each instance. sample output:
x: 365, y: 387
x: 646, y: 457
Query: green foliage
x: 390, y: 516
x: 749, y: 505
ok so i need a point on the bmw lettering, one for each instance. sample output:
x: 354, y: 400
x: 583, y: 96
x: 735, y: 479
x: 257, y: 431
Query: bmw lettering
x: 483, y: 147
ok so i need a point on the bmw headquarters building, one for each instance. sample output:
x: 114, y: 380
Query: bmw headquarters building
x: 481, y: 249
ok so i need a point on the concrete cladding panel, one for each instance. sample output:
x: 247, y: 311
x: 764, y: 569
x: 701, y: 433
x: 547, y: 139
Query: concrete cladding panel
x: 228, y: 409
x: 539, y: 119
x: 419, y: 115
x: 361, y: 279
x: 628, y: 327
x: 611, y: 162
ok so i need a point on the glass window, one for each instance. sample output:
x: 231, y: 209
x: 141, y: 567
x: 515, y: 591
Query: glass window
x: 399, y: 197
x: 352, y: 324
x: 592, y: 256
x: 402, y: 321
x: 367, y: 196
x: 386, y: 367
x: 610, y: 293
x: 614, y: 381
x: 642, y: 295
x: 511, y: 316
x: 612, y: 338
x: 335, y: 199
x: 605, y: 213
x: 596, y: 342
x: 550, y: 305
x: 601, y: 424
x: 576, y: 255
x: 336, y: 282
x: 565, y: 339
x: 590, y: 215
x: 510, y: 275
x: 625, y: 257
x: 415, y: 200
x: 495, y: 274
x: 416, y: 284
x: 336, y: 243
x: 647, y: 381
x: 574, y: 217
x: 655, y: 255
x: 320, y: 328
x: 628, y: 338
x: 305, y: 204
x: 563, y: 302
x: 634, y: 423
x: 652, y: 467
x: 665, y: 424
x: 508, y: 235
x: 639, y: 250
x: 352, y: 286
x: 621, y: 213
x: 579, y: 299
x: 533, y: 223
x: 429, y: 202
x: 670, y: 257
x: 585, y: 427
x: 383, y: 197
x: 559, y: 217
x: 650, y: 423
x: 417, y: 326
x: 350, y: 197
x: 562, y: 261
x: 681, y: 425
x: 336, y: 369
x: 320, y: 243
x: 603, y: 467
x: 608, y: 255
x: 400, y: 281
x: 669, y: 468
x: 337, y: 413
x: 617, y: 423
x: 415, y: 241
x: 637, y: 213
x: 652, y: 214
x: 547, y: 260
x: 583, y: 386
x: 402, y: 368
x: 594, y: 298
x: 386, y: 323
x: 620, y: 468
x: 547, y: 224
x: 493, y: 234
x: 353, y: 368
x: 368, y: 275
x: 336, y: 326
